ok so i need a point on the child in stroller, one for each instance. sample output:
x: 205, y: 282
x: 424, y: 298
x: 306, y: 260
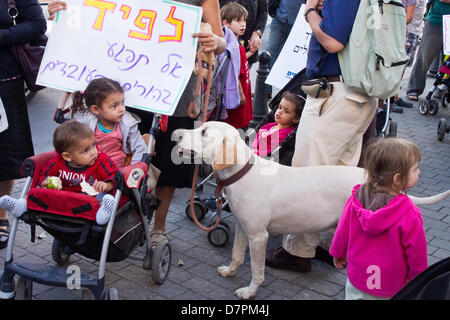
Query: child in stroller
x: 70, y: 218
x: 78, y: 166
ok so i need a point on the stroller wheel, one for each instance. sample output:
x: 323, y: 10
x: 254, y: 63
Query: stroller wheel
x: 219, y: 236
x: 60, y: 252
x: 200, y: 209
x: 424, y: 105
x: 113, y: 294
x: 434, y: 107
x: 24, y: 289
x: 162, y: 257
x: 445, y: 99
x: 392, y: 129
x: 442, y: 129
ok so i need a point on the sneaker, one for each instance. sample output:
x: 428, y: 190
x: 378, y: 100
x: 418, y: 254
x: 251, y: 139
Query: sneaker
x: 396, y: 108
x: 106, y: 209
x: 281, y: 259
x: 14, y: 207
x: 402, y: 103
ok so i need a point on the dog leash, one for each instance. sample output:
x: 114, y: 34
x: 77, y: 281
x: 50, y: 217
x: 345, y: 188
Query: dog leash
x: 193, y: 113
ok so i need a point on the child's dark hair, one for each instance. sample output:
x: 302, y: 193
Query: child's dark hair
x: 233, y: 11
x: 384, y: 158
x: 95, y: 93
x: 297, y: 100
x: 69, y: 133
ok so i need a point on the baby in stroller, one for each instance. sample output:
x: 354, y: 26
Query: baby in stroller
x: 79, y: 166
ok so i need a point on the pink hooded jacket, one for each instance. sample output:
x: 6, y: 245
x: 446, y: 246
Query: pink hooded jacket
x: 385, y: 248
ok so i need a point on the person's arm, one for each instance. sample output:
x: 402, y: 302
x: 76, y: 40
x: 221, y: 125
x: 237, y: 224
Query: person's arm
x: 54, y: 7
x: 261, y: 20
x: 30, y: 25
x: 444, y: 1
x: 410, y: 13
x: 314, y: 19
x: 415, y: 244
x: 213, y: 42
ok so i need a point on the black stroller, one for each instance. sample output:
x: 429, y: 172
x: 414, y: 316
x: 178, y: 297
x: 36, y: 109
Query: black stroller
x: 431, y: 284
x: 70, y: 218
x: 283, y: 154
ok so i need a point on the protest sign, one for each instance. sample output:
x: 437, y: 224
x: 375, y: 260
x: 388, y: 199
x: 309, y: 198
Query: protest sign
x: 446, y: 31
x: 145, y: 45
x: 293, y: 56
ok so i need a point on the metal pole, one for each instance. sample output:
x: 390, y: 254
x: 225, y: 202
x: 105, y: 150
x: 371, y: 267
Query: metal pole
x: 260, y: 99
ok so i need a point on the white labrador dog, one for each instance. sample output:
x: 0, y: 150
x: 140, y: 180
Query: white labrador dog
x: 271, y: 198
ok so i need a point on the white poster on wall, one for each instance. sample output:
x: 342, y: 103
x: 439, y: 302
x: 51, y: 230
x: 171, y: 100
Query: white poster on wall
x: 145, y: 45
x: 446, y: 31
x: 292, y: 58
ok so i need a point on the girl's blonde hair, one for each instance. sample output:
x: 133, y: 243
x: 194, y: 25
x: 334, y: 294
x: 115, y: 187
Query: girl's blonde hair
x: 95, y: 93
x: 384, y: 158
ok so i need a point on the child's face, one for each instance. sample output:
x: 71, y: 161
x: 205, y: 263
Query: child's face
x: 413, y: 177
x: 285, y: 114
x: 82, y: 154
x: 112, y: 109
x: 237, y: 26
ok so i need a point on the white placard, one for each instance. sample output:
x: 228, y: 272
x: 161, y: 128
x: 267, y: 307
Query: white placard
x: 293, y: 56
x: 446, y: 31
x: 3, y: 118
x: 145, y: 45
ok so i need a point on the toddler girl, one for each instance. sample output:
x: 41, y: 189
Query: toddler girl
x: 101, y: 107
x: 287, y: 117
x: 380, y: 235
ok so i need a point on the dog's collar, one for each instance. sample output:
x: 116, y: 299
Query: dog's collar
x: 235, y: 177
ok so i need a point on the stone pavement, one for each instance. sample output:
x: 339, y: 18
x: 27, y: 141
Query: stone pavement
x: 197, y: 278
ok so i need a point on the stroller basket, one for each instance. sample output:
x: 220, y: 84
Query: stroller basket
x: 86, y: 237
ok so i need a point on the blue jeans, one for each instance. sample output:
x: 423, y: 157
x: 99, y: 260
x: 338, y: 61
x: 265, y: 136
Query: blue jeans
x: 279, y: 32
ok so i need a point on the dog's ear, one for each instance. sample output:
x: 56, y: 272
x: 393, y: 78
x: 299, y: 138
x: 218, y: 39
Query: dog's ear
x: 226, y: 156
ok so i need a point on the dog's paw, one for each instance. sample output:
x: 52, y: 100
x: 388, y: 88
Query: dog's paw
x: 225, y: 271
x: 244, y: 293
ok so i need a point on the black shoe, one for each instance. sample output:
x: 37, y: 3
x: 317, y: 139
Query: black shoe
x: 396, y: 108
x: 4, y: 233
x: 281, y: 259
x: 210, y: 203
x: 324, y: 255
x: 402, y: 103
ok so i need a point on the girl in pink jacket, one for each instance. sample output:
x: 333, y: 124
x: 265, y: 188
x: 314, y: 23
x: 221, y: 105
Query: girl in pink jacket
x: 380, y: 235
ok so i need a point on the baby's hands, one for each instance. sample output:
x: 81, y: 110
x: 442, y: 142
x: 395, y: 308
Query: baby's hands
x: 340, y: 263
x: 44, y: 183
x: 101, y: 186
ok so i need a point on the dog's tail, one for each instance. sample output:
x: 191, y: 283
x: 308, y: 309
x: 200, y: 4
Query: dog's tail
x: 432, y: 199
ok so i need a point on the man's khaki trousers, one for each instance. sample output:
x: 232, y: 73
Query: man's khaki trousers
x: 330, y: 133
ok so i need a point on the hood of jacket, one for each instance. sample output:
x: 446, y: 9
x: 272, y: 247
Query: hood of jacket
x: 380, y: 220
